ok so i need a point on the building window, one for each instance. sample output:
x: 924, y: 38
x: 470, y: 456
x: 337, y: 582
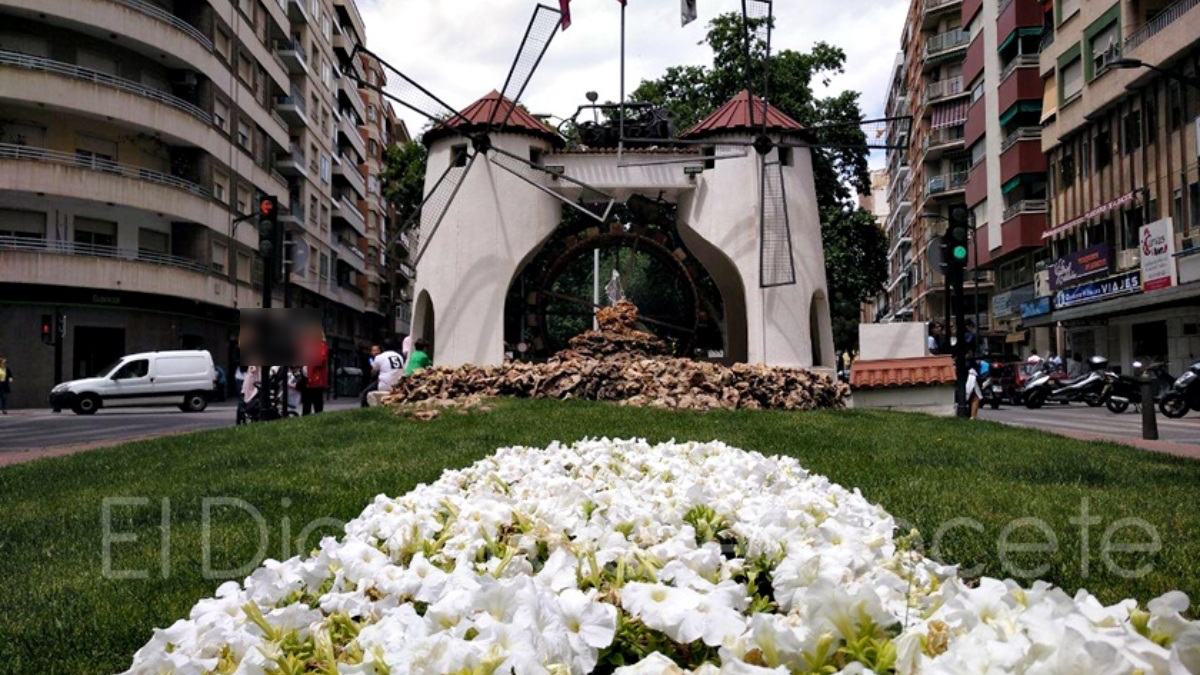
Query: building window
x: 1151, y: 109
x: 1175, y: 104
x: 1132, y: 131
x: 371, y: 112
x: 24, y: 224
x: 325, y: 168
x: 312, y: 260
x: 785, y: 156
x: 1103, y: 44
x: 1131, y: 225
x: 324, y: 266
x: 243, y: 134
x: 313, y: 212
x: 220, y: 256
x: 220, y: 114
x: 93, y: 232
x: 244, y: 265
x: 243, y: 199
x: 1103, y: 149
x: 1067, y: 9
x: 1070, y: 77
x: 222, y: 43
x: 458, y: 155
x: 153, y: 241
x: 221, y: 186
x: 1067, y: 170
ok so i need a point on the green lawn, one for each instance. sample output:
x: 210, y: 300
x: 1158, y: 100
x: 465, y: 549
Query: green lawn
x: 58, y: 612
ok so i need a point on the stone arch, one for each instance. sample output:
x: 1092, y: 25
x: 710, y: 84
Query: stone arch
x: 818, y: 328
x: 423, y: 320
x: 733, y: 291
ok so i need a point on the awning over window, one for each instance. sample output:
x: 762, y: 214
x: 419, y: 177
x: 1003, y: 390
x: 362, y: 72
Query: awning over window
x: 1104, y: 208
x: 950, y: 114
x: 1019, y: 107
x: 1049, y: 98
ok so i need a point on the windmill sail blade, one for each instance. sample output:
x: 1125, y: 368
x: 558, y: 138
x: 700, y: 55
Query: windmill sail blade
x: 776, y: 265
x: 437, y: 203
x: 405, y: 91
x: 543, y: 26
x: 592, y: 201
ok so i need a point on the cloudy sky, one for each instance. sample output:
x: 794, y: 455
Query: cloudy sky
x: 462, y: 49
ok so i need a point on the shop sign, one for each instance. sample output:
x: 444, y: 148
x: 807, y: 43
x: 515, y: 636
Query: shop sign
x: 1095, y: 291
x: 1009, y: 303
x: 1082, y: 264
x: 1035, y: 307
x: 1157, y: 244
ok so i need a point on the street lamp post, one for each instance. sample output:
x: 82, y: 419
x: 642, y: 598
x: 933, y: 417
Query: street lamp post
x: 1133, y: 64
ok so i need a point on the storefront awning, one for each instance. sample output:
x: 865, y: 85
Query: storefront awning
x: 1049, y: 98
x: 1104, y: 208
x: 950, y: 114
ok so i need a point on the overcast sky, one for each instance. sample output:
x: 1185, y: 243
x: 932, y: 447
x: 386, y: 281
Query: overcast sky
x: 462, y: 49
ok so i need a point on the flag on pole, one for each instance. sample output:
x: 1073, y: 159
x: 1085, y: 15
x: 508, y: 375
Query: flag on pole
x: 564, y: 6
x: 687, y: 9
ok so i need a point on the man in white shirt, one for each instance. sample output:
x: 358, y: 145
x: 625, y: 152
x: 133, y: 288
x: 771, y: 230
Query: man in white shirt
x: 389, y: 367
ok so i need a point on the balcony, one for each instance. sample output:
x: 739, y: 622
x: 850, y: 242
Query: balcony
x: 972, y: 64
x: 349, y: 252
x: 1021, y: 134
x: 292, y: 163
x: 297, y: 12
x: 348, y: 95
x: 346, y: 211
x: 944, y: 44
x: 41, y: 245
x: 933, y: 9
x: 940, y: 141
x: 942, y: 89
x: 1022, y: 83
x: 292, y: 109
x: 292, y: 54
x: 1021, y: 61
x: 947, y: 184
x: 343, y: 45
x: 345, y: 172
x: 348, y: 134
x: 156, y: 12
x: 1025, y: 206
x: 1022, y: 154
x: 1015, y: 15
x: 1024, y: 223
x: 68, y: 70
x: 1160, y: 23
x: 31, y: 153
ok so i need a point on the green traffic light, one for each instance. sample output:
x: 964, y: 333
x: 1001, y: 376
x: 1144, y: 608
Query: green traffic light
x: 960, y: 252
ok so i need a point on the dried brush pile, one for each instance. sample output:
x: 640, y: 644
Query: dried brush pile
x: 624, y: 364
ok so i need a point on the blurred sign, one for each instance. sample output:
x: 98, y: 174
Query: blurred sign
x: 1080, y: 265
x: 1157, y: 247
x: 1036, y: 307
x: 1009, y: 303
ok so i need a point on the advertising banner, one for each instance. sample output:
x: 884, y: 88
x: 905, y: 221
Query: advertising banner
x: 1095, y: 291
x: 1157, y: 249
x: 1009, y: 303
x: 1036, y: 307
x: 1082, y: 264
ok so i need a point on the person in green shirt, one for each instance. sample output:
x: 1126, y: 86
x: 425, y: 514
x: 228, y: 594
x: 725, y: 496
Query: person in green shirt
x: 419, y: 358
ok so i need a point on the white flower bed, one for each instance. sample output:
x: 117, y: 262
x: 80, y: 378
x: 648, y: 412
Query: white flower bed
x: 672, y: 558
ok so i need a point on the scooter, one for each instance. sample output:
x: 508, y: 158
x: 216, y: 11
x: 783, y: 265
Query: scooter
x: 1184, y: 394
x: 1088, y: 388
x: 993, y: 392
x: 1122, y: 390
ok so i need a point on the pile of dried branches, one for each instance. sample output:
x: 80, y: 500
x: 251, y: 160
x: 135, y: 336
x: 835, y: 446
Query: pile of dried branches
x: 621, y: 363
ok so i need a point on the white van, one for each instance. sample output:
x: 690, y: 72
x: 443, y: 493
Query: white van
x: 183, y: 378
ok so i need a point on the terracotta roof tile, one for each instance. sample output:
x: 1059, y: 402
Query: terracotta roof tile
x: 735, y: 115
x: 480, y: 114
x: 921, y: 371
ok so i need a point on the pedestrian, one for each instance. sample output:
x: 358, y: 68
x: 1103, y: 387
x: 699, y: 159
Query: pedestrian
x: 419, y: 358
x: 1033, y: 359
x: 388, y: 367
x: 406, y: 347
x: 370, y: 374
x: 971, y: 337
x: 934, y: 341
x: 220, y: 384
x: 973, y: 392
x: 316, y: 373
x: 1055, y: 361
x: 6, y: 380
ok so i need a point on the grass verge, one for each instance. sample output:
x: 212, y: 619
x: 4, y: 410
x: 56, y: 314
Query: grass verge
x: 61, y: 612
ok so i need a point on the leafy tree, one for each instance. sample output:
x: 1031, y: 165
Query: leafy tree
x: 855, y: 247
x: 403, y: 179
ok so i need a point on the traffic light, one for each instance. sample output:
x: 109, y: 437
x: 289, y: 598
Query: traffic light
x: 270, y: 243
x: 47, y: 329
x: 955, y: 241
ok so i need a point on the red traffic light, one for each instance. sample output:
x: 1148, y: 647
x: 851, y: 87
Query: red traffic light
x: 266, y: 207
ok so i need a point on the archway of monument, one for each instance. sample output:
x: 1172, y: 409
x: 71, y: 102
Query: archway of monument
x: 550, y: 299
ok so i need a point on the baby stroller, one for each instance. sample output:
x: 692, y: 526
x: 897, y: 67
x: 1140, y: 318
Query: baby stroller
x: 266, y: 404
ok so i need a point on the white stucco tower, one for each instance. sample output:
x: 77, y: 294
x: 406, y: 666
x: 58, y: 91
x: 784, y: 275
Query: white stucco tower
x: 784, y: 325
x: 498, y: 221
x: 494, y: 222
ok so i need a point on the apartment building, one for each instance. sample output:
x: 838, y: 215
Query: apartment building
x: 133, y: 134
x: 1122, y: 241
x: 929, y: 173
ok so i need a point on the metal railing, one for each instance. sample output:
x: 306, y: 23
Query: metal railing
x: 38, y: 63
x: 1021, y: 134
x: 946, y: 182
x: 36, y: 154
x: 945, y: 136
x: 1159, y: 22
x: 291, y: 46
x: 944, y: 42
x: 42, y: 245
x: 407, y: 270
x: 1025, y: 206
x: 1022, y: 61
x: 939, y: 4
x: 156, y: 12
x: 943, y: 88
x: 296, y: 99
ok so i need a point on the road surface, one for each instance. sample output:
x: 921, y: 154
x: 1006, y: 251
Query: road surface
x: 1078, y: 418
x: 23, y: 431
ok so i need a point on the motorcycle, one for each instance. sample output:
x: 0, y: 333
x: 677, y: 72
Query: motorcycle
x: 1122, y: 390
x: 1088, y: 388
x: 993, y: 391
x: 1184, y: 394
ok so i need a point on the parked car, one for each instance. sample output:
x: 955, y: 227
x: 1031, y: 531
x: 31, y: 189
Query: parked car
x: 181, y: 378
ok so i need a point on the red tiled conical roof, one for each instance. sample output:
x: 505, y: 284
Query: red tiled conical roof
x: 480, y: 114
x: 735, y: 115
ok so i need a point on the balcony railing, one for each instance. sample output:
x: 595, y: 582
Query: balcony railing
x: 1022, y: 61
x: 296, y: 99
x: 41, y: 245
x: 947, y: 182
x: 1021, y: 134
x: 38, y: 63
x: 931, y: 5
x: 1025, y: 206
x: 35, y: 154
x: 944, y: 136
x: 944, y: 42
x: 154, y: 11
x: 1159, y: 22
x: 943, y: 88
